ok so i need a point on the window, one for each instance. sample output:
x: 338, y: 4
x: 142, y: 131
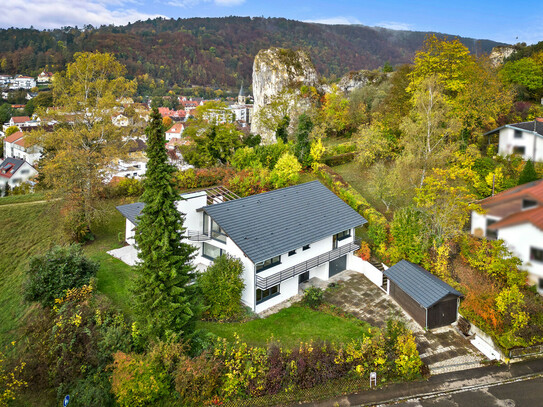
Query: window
x: 491, y: 234
x: 268, y: 263
x: 306, y: 247
x: 343, y: 235
x: 521, y: 150
x: 536, y: 254
x: 528, y: 203
x: 25, y: 171
x: 217, y: 233
x: 292, y: 253
x: 264, y: 295
x: 518, y: 134
x: 211, y: 252
x: 206, y: 224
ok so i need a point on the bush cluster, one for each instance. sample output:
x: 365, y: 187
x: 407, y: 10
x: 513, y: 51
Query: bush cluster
x: 339, y: 159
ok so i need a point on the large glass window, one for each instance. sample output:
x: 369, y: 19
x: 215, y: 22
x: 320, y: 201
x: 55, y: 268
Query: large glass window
x: 211, y: 252
x: 268, y: 263
x: 536, y: 254
x: 263, y: 295
x: 206, y: 224
x: 217, y: 233
x: 340, y: 236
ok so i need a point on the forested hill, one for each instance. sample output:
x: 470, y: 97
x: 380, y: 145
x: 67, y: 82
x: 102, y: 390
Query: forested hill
x: 213, y: 51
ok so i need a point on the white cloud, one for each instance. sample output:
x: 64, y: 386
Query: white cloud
x: 335, y: 20
x: 193, y: 3
x: 58, y: 13
x: 394, y: 25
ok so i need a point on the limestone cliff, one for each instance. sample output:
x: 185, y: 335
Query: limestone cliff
x: 278, y: 75
x: 357, y: 79
x: 499, y: 54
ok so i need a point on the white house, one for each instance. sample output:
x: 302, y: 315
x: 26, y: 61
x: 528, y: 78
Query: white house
x: 45, y: 77
x: 120, y: 120
x: 14, y: 172
x: 5, y: 80
x: 15, y: 146
x: 525, y: 139
x: 282, y: 237
x: 22, y: 82
x: 175, y: 131
x: 516, y: 217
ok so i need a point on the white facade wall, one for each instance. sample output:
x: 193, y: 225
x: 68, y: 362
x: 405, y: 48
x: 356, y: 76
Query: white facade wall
x: 23, y: 174
x: 129, y: 233
x: 529, y: 141
x: 372, y: 273
x: 520, y: 239
x: 478, y: 223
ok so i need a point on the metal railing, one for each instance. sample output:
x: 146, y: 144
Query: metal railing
x: 197, y: 236
x: 266, y: 282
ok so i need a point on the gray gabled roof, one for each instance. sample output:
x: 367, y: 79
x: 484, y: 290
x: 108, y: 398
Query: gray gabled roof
x: 425, y: 288
x: 534, y: 127
x: 273, y: 223
x: 131, y: 211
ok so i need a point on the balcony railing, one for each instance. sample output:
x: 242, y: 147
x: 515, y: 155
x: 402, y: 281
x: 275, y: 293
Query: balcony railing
x: 266, y: 282
x: 197, y: 236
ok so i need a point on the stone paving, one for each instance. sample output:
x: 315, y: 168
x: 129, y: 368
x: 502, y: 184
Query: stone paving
x: 443, y: 349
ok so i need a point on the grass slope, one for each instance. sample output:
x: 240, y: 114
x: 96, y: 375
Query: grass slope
x: 25, y: 231
x: 290, y: 326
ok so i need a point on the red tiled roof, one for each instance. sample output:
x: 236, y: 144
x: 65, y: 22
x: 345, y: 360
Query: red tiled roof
x: 532, y: 190
x: 176, y: 128
x: 533, y: 216
x: 20, y: 119
x: 14, y: 137
x: 22, y: 142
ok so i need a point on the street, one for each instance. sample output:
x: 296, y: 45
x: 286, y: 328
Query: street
x: 526, y: 393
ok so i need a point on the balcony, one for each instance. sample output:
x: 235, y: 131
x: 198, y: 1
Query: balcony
x: 197, y: 236
x: 266, y: 282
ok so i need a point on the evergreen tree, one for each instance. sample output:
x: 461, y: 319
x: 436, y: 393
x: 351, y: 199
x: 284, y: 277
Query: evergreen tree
x: 528, y: 173
x: 303, y: 145
x: 165, y: 301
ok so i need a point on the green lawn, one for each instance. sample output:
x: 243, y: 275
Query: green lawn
x: 25, y: 231
x: 291, y: 326
x: 22, y: 198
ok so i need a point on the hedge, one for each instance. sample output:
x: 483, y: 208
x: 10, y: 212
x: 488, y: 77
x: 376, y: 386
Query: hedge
x: 339, y: 159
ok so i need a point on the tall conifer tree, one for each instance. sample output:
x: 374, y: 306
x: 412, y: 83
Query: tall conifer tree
x: 165, y: 301
x: 528, y: 173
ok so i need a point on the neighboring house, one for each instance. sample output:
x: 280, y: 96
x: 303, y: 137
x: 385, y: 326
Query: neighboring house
x: 15, y: 146
x: 430, y: 301
x: 516, y: 216
x: 135, y: 165
x: 45, y: 77
x: 120, y: 120
x: 22, y: 82
x: 282, y: 237
x: 175, y: 115
x: 525, y: 139
x: 14, y: 172
x: 5, y: 80
x: 175, y: 131
x: 18, y: 120
x: 242, y: 113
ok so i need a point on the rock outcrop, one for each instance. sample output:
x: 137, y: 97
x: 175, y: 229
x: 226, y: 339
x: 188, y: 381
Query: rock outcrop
x: 358, y: 79
x: 278, y: 75
x: 499, y: 54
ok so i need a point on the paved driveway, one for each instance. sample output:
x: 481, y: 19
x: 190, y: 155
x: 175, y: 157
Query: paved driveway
x: 442, y: 349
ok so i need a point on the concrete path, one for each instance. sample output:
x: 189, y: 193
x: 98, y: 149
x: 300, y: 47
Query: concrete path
x: 442, y: 349
x: 127, y: 254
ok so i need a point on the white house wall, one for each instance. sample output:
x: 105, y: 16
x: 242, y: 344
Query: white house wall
x: 478, y: 223
x: 519, y: 239
x: 508, y: 142
x: 129, y: 233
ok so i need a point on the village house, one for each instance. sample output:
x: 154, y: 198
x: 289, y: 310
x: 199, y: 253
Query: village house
x: 22, y: 82
x: 275, y: 235
x: 524, y: 139
x: 14, y: 172
x: 16, y: 146
x: 135, y: 165
x: 120, y: 120
x: 516, y: 216
x: 45, y: 77
x: 175, y: 131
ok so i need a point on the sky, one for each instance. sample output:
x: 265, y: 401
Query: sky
x: 498, y: 20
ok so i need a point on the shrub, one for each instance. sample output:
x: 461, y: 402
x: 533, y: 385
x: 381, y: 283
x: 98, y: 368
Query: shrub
x: 286, y: 172
x: 364, y: 252
x: 334, y: 160
x: 61, y: 268
x: 198, y: 380
x: 138, y: 381
x: 249, y: 182
x: 10, y: 381
x: 222, y: 285
x: 128, y: 187
x: 245, y: 157
x: 313, y: 297
x: 269, y: 154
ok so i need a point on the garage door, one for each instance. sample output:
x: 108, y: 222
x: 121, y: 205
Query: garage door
x: 337, y: 266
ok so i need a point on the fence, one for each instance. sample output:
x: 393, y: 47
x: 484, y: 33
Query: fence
x: 524, y: 352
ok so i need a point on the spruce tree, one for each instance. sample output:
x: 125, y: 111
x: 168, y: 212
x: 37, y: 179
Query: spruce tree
x: 303, y: 145
x: 165, y: 302
x: 528, y: 173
